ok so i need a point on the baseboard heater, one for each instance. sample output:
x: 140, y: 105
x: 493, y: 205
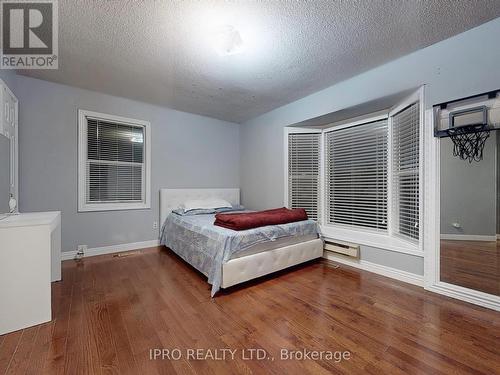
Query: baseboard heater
x: 344, y: 248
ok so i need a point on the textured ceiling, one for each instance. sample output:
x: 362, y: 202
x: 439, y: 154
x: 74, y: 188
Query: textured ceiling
x: 383, y: 104
x: 159, y: 51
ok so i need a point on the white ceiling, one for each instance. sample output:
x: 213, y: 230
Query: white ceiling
x: 159, y: 51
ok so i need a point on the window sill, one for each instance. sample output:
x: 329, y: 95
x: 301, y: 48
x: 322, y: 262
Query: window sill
x: 113, y: 207
x: 377, y: 240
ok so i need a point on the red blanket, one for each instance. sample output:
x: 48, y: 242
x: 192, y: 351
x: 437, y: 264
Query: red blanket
x: 248, y: 220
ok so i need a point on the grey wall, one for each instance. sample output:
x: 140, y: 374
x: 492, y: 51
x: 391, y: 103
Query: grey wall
x: 457, y: 67
x: 188, y: 151
x: 468, y: 191
x: 9, y: 77
x: 404, y: 262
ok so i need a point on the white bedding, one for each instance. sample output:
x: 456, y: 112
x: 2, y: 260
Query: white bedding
x: 271, y: 245
x: 207, y: 247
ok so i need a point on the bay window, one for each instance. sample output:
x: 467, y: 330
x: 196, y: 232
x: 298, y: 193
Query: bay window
x: 362, y: 180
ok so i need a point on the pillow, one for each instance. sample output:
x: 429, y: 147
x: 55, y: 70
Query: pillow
x: 180, y: 211
x: 208, y: 211
x: 205, y: 204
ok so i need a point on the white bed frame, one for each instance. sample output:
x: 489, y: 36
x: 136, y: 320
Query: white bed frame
x: 248, y: 267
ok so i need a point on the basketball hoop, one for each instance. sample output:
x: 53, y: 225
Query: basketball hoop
x: 468, y: 128
x: 469, y: 141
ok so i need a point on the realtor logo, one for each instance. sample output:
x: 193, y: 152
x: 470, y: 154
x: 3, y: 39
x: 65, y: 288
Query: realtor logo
x: 29, y: 34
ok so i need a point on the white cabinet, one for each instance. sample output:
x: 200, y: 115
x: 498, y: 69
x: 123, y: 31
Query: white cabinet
x: 30, y: 257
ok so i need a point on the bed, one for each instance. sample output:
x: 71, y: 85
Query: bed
x: 230, y: 257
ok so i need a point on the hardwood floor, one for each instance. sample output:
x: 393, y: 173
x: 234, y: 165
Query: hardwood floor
x: 471, y: 264
x: 109, y: 312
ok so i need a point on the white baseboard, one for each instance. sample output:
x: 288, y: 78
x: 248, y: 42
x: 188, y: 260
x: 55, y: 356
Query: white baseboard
x: 464, y: 294
x: 468, y: 237
x: 66, y: 255
x: 393, y: 273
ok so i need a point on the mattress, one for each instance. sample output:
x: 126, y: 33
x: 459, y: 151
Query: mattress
x: 207, y: 247
x: 272, y: 245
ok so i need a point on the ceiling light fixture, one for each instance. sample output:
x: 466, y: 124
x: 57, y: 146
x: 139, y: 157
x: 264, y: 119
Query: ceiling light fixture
x: 227, y: 40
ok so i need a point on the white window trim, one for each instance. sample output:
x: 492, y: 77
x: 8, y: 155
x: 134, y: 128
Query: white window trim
x: 291, y: 130
x: 358, y: 122
x: 343, y: 229
x: 82, y: 160
x: 417, y: 96
x: 386, y: 240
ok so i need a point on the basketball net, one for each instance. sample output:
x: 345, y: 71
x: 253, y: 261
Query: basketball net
x: 468, y: 142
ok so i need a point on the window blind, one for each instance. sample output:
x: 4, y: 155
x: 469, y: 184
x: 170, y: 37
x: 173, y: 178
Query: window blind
x: 356, y: 176
x: 304, y: 172
x: 405, y: 140
x: 115, y: 162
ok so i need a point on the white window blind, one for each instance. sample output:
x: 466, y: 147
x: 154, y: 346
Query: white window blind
x: 405, y: 164
x: 356, y: 176
x: 304, y: 172
x: 115, y: 162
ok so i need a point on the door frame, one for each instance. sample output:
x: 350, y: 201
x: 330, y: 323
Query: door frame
x: 432, y: 281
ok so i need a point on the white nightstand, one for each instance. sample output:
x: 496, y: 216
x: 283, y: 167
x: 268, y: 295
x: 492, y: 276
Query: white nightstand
x: 30, y: 258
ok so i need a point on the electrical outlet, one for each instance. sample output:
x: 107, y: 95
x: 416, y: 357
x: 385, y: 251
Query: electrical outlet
x: 80, y: 251
x: 155, y: 225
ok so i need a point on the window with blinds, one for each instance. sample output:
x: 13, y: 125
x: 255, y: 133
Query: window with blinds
x: 356, y: 176
x: 304, y: 172
x: 113, y: 163
x: 405, y: 171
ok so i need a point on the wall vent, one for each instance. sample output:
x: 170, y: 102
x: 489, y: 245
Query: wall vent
x: 344, y: 248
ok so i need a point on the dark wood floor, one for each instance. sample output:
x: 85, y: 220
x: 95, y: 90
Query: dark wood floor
x: 471, y: 264
x: 109, y: 312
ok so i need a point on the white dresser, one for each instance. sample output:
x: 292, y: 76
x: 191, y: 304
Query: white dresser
x: 30, y: 258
